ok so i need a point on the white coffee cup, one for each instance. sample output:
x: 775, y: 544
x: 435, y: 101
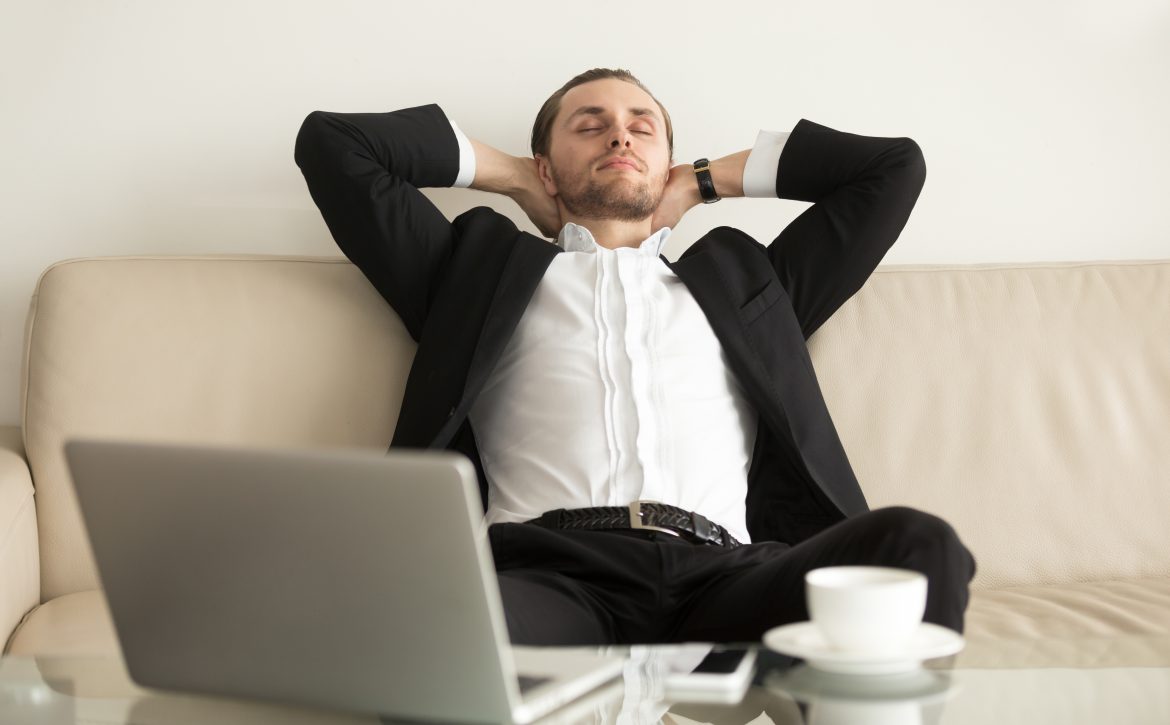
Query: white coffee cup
x: 866, y: 609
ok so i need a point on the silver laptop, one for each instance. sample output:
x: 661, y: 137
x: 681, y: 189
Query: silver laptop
x: 344, y: 579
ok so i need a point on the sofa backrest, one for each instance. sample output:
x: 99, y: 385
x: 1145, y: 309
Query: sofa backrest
x: 1026, y: 404
x: 267, y: 351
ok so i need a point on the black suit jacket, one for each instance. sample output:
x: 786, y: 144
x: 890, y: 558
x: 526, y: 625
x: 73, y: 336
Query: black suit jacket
x: 461, y: 286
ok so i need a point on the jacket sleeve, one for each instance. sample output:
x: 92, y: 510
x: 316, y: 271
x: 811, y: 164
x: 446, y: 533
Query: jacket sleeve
x: 364, y: 171
x: 863, y: 189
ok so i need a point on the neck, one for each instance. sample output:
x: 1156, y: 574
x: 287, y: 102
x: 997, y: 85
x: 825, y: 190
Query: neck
x: 614, y: 233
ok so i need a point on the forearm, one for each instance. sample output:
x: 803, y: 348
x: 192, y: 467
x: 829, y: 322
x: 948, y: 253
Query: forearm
x: 413, y: 144
x: 495, y: 171
x: 751, y: 172
x: 727, y: 174
x: 517, y: 178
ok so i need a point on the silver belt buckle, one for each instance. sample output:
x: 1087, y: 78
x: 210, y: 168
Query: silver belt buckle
x: 636, y: 520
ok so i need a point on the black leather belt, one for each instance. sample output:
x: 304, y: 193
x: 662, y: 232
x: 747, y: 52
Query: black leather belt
x: 641, y: 515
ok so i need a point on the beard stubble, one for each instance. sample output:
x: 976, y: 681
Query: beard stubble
x: 587, y: 196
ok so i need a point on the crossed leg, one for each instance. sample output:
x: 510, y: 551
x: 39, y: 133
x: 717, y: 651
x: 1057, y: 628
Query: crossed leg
x: 744, y: 604
x: 584, y: 587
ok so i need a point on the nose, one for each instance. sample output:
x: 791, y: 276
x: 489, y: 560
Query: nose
x: 621, y: 138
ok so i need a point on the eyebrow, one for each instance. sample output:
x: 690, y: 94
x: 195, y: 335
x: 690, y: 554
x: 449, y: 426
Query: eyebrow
x: 598, y: 110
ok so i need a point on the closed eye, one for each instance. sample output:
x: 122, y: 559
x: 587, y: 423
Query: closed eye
x: 645, y: 133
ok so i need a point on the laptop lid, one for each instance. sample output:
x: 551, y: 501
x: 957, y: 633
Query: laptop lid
x: 346, y: 579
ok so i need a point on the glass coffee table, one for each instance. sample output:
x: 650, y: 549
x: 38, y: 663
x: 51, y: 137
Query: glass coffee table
x: 98, y: 690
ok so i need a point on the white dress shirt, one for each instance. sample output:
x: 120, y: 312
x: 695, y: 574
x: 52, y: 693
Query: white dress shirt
x: 614, y: 387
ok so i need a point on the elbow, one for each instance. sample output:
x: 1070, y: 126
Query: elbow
x: 309, y: 138
x: 913, y: 161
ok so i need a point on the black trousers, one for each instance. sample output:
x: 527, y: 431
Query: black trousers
x: 627, y: 587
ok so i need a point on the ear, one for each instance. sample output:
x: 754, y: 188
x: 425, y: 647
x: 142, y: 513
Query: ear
x: 542, y: 170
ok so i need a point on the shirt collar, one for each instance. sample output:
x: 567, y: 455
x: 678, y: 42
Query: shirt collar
x: 576, y: 238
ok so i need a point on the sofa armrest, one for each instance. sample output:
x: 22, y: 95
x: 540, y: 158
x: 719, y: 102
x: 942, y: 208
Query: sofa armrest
x: 20, y: 561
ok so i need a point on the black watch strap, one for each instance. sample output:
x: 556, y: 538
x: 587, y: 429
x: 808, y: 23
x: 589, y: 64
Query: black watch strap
x: 706, y: 185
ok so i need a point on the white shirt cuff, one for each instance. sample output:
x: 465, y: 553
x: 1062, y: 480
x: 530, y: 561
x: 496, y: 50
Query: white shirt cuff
x: 759, y: 172
x: 466, y: 158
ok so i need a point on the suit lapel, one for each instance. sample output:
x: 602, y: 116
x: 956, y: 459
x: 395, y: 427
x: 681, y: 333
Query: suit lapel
x: 527, y: 262
x: 737, y: 290
x: 699, y: 272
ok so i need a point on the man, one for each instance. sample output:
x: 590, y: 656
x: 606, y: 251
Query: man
x: 588, y: 375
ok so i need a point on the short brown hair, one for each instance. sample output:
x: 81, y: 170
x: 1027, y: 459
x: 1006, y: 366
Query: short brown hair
x: 542, y: 128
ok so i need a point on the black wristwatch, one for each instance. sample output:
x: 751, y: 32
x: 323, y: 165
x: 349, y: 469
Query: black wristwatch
x: 706, y: 185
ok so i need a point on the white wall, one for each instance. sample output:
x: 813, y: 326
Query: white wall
x: 165, y: 127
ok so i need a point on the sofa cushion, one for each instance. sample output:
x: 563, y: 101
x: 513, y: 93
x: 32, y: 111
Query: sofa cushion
x: 1123, y: 623
x: 1119, y: 623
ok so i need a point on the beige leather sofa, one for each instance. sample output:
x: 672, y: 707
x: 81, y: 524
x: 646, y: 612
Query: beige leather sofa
x: 1027, y: 404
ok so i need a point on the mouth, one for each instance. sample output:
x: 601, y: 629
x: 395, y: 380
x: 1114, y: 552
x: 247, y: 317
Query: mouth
x: 621, y: 163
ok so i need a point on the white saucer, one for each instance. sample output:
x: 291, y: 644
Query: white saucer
x: 806, y: 684
x: 804, y: 640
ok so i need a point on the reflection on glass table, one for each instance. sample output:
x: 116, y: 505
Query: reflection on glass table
x: 98, y: 690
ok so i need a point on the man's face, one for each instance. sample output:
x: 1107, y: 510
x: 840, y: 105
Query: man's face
x: 599, y: 122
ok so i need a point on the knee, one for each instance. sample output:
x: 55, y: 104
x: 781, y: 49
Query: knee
x: 913, y: 523
x: 921, y: 535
